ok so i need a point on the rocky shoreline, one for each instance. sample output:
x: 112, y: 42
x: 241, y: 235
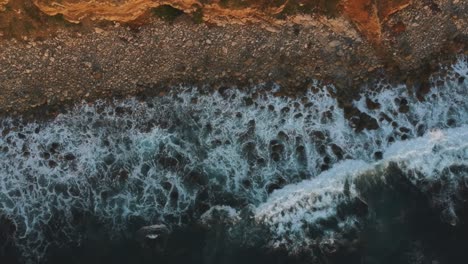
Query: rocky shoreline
x: 112, y: 60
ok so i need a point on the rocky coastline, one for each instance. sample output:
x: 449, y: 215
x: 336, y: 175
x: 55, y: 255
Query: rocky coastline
x: 105, y: 59
x: 233, y: 131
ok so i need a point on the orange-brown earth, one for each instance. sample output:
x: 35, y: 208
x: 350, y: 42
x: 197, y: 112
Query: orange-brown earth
x: 367, y: 15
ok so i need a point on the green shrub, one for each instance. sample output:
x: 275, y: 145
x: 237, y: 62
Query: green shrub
x: 167, y: 12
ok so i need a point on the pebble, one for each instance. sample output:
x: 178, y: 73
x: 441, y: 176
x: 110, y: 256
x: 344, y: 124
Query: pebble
x: 98, y: 30
x: 334, y: 43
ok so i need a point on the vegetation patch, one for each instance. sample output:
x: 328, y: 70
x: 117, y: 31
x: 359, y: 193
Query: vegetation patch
x: 167, y: 13
x: 197, y: 16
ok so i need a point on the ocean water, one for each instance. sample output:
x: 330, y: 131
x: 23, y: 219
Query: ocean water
x: 236, y: 172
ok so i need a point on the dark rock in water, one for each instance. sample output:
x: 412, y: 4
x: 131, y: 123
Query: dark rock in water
x: 197, y: 176
x: 378, y: 155
x: 364, y: 121
x: 451, y: 122
x: 337, y: 151
x: 404, y: 107
x: 54, y: 148
x: 69, y: 156
x: 271, y: 187
x: 318, y: 135
x: 371, y: 105
x: 52, y: 164
x: 277, y: 146
x: 461, y: 80
x: 404, y: 130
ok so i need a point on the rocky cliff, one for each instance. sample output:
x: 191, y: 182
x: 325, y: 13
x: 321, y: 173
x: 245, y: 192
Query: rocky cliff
x: 367, y: 15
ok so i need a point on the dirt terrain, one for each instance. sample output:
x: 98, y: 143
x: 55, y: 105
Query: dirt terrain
x: 56, y: 54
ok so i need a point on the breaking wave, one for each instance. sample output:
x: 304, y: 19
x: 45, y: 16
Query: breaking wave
x: 297, y: 211
x: 173, y: 160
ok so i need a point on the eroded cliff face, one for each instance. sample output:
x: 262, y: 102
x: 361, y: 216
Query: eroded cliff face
x: 2, y: 4
x: 369, y: 15
x: 366, y: 15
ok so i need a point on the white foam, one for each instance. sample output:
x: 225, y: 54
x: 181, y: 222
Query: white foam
x: 220, y: 213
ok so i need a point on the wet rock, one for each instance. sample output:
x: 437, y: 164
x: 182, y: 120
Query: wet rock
x: 451, y: 122
x: 275, y: 156
x: 318, y: 135
x: 277, y: 146
x: 422, y: 90
x: 246, y: 183
x: 53, y: 149
x: 52, y: 164
x: 371, y: 105
x: 404, y: 129
x: 197, y: 176
x: 378, y: 155
x: 364, y: 121
x: 283, y: 136
x: 123, y: 175
x: 404, y: 107
x: 337, y: 151
x: 285, y: 110
x: 271, y: 187
x: 69, y: 156
x: 248, y: 101
x: 166, y: 185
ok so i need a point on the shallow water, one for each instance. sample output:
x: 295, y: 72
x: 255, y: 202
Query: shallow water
x: 235, y: 175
